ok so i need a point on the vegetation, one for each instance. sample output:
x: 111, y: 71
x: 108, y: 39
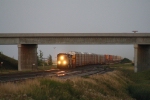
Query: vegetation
x: 50, y: 60
x: 47, y: 67
x: 8, y: 62
x: 139, y: 85
x: 120, y: 84
x: 126, y: 60
x: 96, y: 87
x: 41, y: 60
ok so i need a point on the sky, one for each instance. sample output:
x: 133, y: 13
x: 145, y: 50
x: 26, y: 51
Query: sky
x: 74, y: 16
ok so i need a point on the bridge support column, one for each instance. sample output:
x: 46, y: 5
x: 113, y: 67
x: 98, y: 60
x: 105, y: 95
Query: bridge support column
x: 27, y: 56
x: 141, y: 57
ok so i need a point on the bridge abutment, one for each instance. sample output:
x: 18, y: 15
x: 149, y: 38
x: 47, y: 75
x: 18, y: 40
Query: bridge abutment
x: 27, y: 56
x: 141, y: 57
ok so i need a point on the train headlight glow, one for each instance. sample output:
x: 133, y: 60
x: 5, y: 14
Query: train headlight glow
x: 62, y: 57
x: 59, y: 62
x: 64, y: 62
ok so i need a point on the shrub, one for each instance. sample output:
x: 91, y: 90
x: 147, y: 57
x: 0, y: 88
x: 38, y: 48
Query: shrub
x: 126, y: 60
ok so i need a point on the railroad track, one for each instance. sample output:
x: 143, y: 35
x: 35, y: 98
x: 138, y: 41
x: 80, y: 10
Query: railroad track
x: 60, y: 73
x: 24, y: 76
x: 85, y: 71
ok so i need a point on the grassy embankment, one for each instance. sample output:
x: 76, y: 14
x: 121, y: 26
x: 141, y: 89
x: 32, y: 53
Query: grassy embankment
x: 139, y: 85
x: 121, y: 84
x: 8, y: 62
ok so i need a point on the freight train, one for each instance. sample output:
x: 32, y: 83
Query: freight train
x: 74, y: 59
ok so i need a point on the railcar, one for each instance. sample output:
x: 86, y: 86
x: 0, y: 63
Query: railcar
x: 74, y: 59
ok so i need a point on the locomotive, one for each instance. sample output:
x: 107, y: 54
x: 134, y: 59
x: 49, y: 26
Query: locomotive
x: 74, y: 59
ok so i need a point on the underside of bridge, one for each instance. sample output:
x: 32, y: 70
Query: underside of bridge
x: 27, y: 56
x: 141, y: 57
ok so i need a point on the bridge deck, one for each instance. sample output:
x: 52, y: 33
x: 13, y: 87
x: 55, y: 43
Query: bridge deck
x: 74, y: 38
x: 23, y: 35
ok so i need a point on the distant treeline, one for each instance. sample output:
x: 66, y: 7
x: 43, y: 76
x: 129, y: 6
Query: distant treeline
x: 8, y: 62
x: 125, y: 60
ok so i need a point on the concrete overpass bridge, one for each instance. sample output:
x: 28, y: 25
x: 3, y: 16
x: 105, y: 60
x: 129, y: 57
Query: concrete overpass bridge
x: 27, y: 44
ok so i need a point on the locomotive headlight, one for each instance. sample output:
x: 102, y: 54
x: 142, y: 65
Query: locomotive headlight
x: 62, y: 57
x: 64, y: 62
x: 59, y: 62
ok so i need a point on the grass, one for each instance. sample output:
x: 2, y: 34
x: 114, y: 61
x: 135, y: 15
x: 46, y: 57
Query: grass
x: 47, y: 67
x: 40, y: 68
x: 121, y: 84
x: 139, y: 85
x: 8, y: 62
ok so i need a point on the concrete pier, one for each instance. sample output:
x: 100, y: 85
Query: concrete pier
x: 141, y: 57
x: 27, y: 56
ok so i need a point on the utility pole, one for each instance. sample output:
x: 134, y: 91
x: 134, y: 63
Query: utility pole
x: 54, y: 53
